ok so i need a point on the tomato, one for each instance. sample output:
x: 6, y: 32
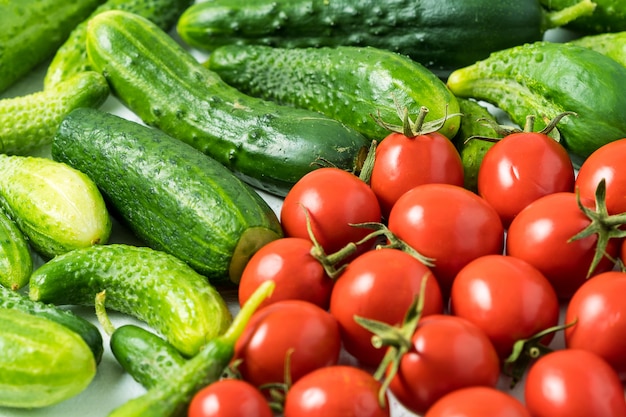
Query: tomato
x: 573, y: 383
x: 335, y: 391
x: 522, y: 167
x: 380, y: 285
x: 334, y: 199
x: 403, y: 162
x: 507, y: 298
x: 540, y: 235
x: 478, y: 402
x: 229, y: 398
x: 293, y: 330
x: 447, y: 223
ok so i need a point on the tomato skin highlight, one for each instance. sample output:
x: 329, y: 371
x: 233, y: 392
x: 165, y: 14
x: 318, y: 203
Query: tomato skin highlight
x: 478, y: 402
x: 229, y: 398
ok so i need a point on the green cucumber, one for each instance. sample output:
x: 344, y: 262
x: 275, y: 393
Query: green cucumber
x: 440, y: 34
x: 267, y: 145
x: 608, y: 16
x: 150, y: 285
x: 71, y: 58
x: 41, y: 362
x: 351, y: 84
x: 29, y: 122
x: 545, y: 79
x: 612, y: 45
x: 16, y: 262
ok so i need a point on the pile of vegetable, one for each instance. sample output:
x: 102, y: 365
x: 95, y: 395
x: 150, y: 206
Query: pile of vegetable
x: 348, y: 209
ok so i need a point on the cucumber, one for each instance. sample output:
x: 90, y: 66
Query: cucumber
x: 351, y: 84
x: 71, y: 58
x: 41, y: 362
x: 612, y: 45
x: 267, y: 145
x: 440, y: 34
x: 29, y: 122
x: 150, y: 285
x: 16, y: 262
x: 608, y: 16
x: 32, y: 30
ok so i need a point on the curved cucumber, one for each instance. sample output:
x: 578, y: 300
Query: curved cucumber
x: 16, y: 262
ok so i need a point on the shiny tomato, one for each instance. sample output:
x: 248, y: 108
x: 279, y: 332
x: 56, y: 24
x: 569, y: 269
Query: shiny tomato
x: 522, y: 167
x: 229, y: 398
x: 478, y: 402
x: 449, y: 224
x: 379, y: 285
x: 573, y: 383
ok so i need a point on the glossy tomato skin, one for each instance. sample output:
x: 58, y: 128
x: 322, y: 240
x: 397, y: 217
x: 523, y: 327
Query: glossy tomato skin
x: 296, y: 273
x: 229, y: 398
x: 310, y: 333
x: 449, y: 353
x: 522, y: 167
x: 540, y: 233
x: 403, y: 162
x: 381, y: 285
x: 507, y: 298
x: 334, y: 199
x: 447, y: 223
x: 573, y: 383
x: 478, y: 402
x: 335, y: 391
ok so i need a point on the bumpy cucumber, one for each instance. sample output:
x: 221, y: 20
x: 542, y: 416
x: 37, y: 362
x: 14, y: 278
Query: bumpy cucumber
x: 608, y: 16
x: 351, y: 84
x: 41, y: 362
x: 71, y: 58
x: 151, y: 285
x: 16, y: 262
x: 265, y: 144
x: 545, y: 79
x: 29, y: 122
x: 612, y: 45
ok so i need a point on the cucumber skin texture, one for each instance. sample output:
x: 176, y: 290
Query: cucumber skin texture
x: 32, y: 30
x: 150, y: 285
x: 608, y: 16
x: 71, y: 57
x: 16, y: 262
x: 546, y: 79
x: 612, y: 45
x: 348, y: 83
x: 41, y: 362
x: 173, y: 197
x: 30, y: 122
x: 266, y: 145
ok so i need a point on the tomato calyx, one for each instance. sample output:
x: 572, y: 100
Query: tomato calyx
x: 413, y: 128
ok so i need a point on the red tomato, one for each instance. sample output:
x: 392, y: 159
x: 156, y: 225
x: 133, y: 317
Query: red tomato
x: 520, y: 168
x: 507, y: 298
x: 335, y: 391
x: 229, y: 398
x: 334, y: 199
x: 296, y: 273
x: 573, y: 383
x: 447, y: 223
x: 380, y: 285
x: 540, y: 234
x: 403, y: 162
x: 293, y: 330
x: 478, y: 402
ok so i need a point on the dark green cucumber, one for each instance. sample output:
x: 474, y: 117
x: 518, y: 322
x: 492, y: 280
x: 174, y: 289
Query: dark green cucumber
x: 612, y: 45
x: 350, y: 84
x: 440, y: 34
x: 265, y: 144
x: 545, y: 79
x: 609, y: 16
x: 16, y: 262
x: 172, y: 196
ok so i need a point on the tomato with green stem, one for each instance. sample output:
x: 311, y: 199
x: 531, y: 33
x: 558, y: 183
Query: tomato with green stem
x: 229, y: 398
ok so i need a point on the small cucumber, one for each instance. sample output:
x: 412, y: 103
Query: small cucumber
x: 57, y: 207
x: 608, y: 16
x: 16, y: 262
x: 612, y: 45
x: 150, y: 285
x: 350, y: 84
x: 41, y: 362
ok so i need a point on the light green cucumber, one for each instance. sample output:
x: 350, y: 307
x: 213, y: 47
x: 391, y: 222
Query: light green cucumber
x: 612, y: 45
x: 16, y: 262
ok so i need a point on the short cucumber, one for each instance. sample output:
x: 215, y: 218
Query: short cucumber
x: 612, y: 45
x: 351, y: 84
x: 608, y: 16
x: 16, y: 262
x: 267, y: 145
x: 41, y: 362
x: 151, y: 285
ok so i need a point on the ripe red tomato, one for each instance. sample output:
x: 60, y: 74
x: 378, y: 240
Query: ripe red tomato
x: 229, y: 398
x: 293, y: 330
x: 403, y: 162
x: 507, y: 298
x: 334, y: 199
x: 478, y: 402
x: 573, y: 383
x: 335, y: 391
x: 447, y: 223
x: 380, y: 285
x: 522, y: 167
